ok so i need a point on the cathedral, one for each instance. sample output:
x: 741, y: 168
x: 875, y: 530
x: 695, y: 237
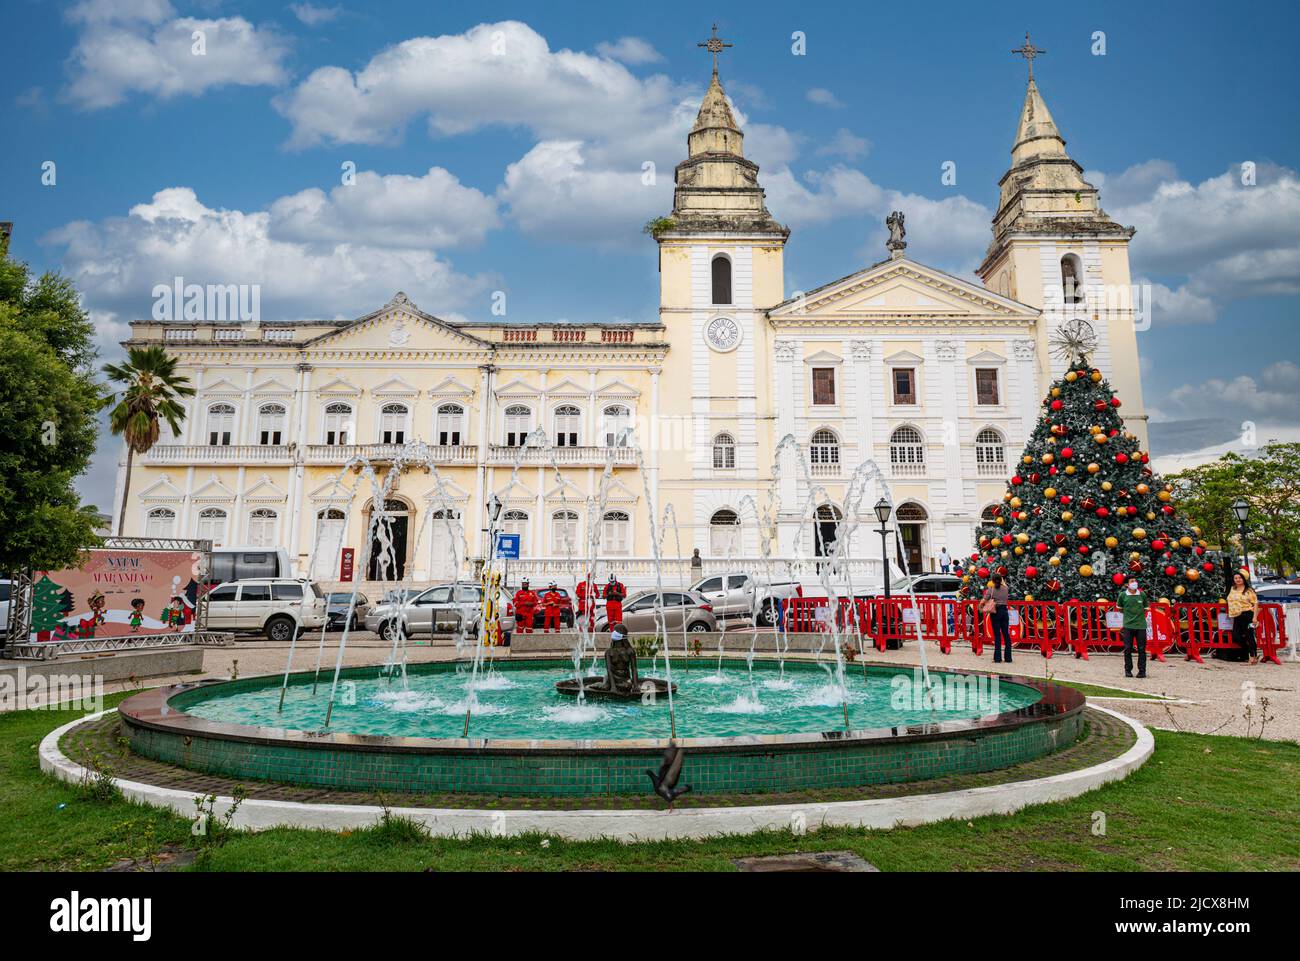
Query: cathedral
x: 744, y: 407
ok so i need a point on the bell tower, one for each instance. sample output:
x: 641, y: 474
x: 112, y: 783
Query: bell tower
x: 1054, y: 248
x: 720, y: 270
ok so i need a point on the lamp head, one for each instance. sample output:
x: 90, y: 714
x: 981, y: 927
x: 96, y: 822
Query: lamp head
x: 883, y: 509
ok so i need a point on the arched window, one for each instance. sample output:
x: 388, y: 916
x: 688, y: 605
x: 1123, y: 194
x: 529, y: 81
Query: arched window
x: 519, y: 422
x: 721, y: 279
x: 912, y: 544
x: 392, y: 424
x: 907, y: 451
x: 989, y: 513
x: 824, y: 452
x: 724, y: 452
x: 221, y: 425
x: 212, y: 525
x: 616, y: 533
x: 1004, y: 284
x: 161, y: 522
x: 261, y: 527
x: 990, y: 452
x: 516, y: 522
x: 451, y: 421
x: 617, y: 419
x: 568, y: 419
x: 338, y: 424
x: 270, y: 424
x: 330, y: 523
x: 564, y: 533
x: 724, y: 533
x: 1072, y: 279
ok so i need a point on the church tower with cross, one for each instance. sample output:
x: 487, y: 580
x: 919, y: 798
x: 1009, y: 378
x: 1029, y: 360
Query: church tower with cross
x: 1056, y: 249
x: 721, y: 267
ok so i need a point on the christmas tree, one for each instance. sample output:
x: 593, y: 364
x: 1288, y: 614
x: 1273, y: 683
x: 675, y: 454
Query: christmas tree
x: 1084, y: 511
x: 50, y: 603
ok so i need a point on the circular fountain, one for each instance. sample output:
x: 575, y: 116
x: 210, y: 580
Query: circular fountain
x: 770, y: 727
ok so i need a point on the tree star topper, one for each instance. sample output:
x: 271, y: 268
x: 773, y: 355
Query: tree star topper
x: 1073, y: 341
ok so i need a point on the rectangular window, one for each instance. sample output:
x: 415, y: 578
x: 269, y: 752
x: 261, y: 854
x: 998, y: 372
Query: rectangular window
x: 904, y: 385
x: 823, y: 385
x: 986, y: 385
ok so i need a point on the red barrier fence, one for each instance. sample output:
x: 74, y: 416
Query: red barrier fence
x: 1077, y: 626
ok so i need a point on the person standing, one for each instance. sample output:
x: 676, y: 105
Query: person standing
x: 614, y: 594
x: 525, y: 609
x: 551, y: 602
x: 1243, y: 604
x: 587, y: 591
x: 1133, y: 603
x: 994, y: 603
x: 945, y: 560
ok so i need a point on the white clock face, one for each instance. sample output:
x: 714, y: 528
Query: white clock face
x: 722, y: 334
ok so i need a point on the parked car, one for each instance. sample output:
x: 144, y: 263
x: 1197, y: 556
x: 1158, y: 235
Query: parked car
x: 280, y: 608
x: 741, y: 596
x: 336, y: 610
x: 679, y: 607
x: 1279, y: 593
x: 539, y: 615
x: 438, y: 610
x: 6, y: 592
x: 926, y: 584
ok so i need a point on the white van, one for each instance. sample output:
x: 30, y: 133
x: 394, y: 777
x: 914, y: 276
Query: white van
x: 280, y: 608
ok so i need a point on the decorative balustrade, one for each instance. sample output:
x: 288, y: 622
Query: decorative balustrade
x: 907, y: 470
x: 218, y: 454
x: 991, y: 468
x: 519, y: 336
x: 563, y: 335
x: 616, y: 336
x: 500, y: 454
x: 380, y: 453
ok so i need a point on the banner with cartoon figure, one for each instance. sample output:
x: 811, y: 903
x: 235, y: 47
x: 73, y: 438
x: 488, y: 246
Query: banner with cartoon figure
x: 117, y: 593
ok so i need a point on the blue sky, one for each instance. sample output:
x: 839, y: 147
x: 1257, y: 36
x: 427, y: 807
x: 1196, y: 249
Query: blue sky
x: 518, y: 167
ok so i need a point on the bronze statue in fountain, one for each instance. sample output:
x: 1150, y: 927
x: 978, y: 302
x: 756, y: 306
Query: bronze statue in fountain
x: 621, y: 680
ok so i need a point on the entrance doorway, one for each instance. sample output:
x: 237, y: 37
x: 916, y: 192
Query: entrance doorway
x: 912, y: 520
x: 388, y: 542
x: 447, y: 544
x: 825, y: 530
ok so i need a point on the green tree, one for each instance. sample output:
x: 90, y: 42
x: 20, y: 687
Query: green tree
x: 150, y: 391
x: 49, y: 399
x: 1084, y: 510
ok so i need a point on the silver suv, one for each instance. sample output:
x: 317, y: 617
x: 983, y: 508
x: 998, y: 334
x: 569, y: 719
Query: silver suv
x: 438, y: 610
x: 680, y: 608
x: 278, y: 607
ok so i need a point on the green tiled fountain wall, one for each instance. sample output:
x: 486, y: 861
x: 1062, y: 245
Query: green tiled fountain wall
x: 466, y: 770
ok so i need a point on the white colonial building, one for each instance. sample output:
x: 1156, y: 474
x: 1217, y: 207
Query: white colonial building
x: 935, y: 378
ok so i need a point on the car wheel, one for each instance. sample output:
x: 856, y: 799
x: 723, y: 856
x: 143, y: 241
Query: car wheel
x: 388, y: 630
x: 699, y: 627
x: 767, y: 615
x: 280, y: 629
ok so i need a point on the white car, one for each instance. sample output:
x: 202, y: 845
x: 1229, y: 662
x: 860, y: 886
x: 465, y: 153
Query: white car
x: 278, y: 607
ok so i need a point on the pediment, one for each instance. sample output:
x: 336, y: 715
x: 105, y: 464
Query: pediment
x: 567, y: 388
x: 398, y: 325
x: 396, y: 387
x: 451, y: 387
x: 517, y: 493
x: 567, y: 492
x: 222, y: 388
x: 331, y: 493
x: 618, y: 388
x: 899, y: 289
x: 620, y: 493
x: 823, y: 357
x: 339, y: 387
x: 904, y: 357
x: 272, y: 387
x: 161, y: 490
x: 265, y: 491
x: 448, y: 492
x: 518, y: 388
x: 214, y: 490
x: 986, y: 357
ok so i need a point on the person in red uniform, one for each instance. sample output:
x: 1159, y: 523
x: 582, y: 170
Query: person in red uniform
x: 587, y: 588
x: 525, y: 608
x: 615, y: 592
x: 551, y: 602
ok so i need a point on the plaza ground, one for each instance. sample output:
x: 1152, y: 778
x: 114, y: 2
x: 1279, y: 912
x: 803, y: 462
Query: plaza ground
x: 1220, y: 801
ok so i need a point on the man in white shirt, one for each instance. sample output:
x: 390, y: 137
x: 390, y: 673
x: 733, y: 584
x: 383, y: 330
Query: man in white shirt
x: 945, y: 560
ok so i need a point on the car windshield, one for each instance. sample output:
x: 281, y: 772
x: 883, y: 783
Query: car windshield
x: 900, y: 584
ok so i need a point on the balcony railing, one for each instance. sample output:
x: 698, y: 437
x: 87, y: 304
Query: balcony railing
x: 907, y: 470
x: 991, y: 468
x: 219, y: 454
x: 380, y: 453
x: 500, y: 454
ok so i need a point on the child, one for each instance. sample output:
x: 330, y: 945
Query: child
x: 137, y: 614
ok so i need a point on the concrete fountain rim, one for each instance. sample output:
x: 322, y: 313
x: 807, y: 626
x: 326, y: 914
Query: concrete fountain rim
x: 635, y: 825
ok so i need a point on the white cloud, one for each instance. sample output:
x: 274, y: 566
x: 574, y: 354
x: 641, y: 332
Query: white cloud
x: 823, y: 97
x: 631, y: 50
x: 844, y: 144
x: 396, y: 210
x: 116, y: 263
x: 314, y: 16
x: 1242, y: 395
x: 493, y: 74
x: 1180, y: 306
x: 140, y: 47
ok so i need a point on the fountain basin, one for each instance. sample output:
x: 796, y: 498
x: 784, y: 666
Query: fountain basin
x: 728, y: 752
x: 590, y: 687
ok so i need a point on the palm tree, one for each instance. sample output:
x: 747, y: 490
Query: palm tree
x: 149, y: 395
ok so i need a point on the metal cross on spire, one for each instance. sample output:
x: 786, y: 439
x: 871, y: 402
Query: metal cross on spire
x: 1029, y: 52
x: 714, y: 45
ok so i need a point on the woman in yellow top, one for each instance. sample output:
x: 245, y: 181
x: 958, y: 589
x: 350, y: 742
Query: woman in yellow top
x: 1242, y: 605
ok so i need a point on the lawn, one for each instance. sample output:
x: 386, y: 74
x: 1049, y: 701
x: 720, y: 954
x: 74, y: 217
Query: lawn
x: 1201, y: 803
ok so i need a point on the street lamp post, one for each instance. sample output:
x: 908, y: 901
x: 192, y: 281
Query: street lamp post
x: 1241, y: 507
x: 883, y: 509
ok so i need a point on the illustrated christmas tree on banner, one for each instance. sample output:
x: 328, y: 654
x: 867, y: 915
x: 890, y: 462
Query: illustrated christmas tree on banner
x: 1084, y: 511
x: 51, y: 602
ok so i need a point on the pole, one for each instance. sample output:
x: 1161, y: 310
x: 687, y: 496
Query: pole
x: 884, y: 557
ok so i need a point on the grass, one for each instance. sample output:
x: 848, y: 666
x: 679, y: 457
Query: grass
x: 1202, y: 803
x: 1096, y: 690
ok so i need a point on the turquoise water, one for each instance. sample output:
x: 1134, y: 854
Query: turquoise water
x: 521, y: 702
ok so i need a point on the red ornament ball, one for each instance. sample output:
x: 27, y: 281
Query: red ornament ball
x: 1121, y: 458
x: 1031, y: 571
x: 1040, y: 547
x: 983, y: 572
x: 1171, y: 571
x: 1056, y: 404
x: 1114, y: 402
x: 1067, y: 451
x: 1117, y: 577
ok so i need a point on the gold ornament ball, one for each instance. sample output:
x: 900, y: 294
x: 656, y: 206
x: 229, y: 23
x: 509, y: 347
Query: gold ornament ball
x: 1106, y: 486
x: 1180, y: 590
x: 1067, y: 516
x: 1139, y: 533
x: 1085, y: 570
x: 1056, y: 392
x: 1022, y: 538
x: 1094, y: 467
x: 1143, y: 489
x: 1001, y: 521
x: 1100, y: 438
x: 1112, y: 542
x: 1084, y: 533
x: 1184, y: 541
x: 1151, y: 515
x: 1049, y: 493
x: 1193, y: 574
x: 1071, y: 377
x: 1055, y: 562
x: 1096, y: 377
x: 1028, y: 459
x: 1164, y: 497
x: 1070, y: 469
x: 1019, y: 551
x: 1048, y: 458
